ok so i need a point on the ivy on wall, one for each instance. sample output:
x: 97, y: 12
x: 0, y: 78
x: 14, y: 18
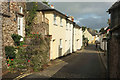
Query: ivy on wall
x: 30, y: 17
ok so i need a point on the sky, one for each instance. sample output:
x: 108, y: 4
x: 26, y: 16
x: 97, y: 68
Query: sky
x: 90, y: 14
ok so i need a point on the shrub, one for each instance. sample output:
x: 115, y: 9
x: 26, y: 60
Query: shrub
x: 16, y: 39
x: 10, y: 52
x: 37, y: 52
x: 20, y: 61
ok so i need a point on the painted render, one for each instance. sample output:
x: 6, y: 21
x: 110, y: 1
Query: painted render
x: 89, y: 36
x: 77, y: 43
x: 68, y: 38
x: 58, y: 33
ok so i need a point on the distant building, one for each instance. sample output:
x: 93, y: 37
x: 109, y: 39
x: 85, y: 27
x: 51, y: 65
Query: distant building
x: 103, y: 38
x: 77, y: 37
x: 90, y: 34
x: 68, y: 38
x: 114, y: 41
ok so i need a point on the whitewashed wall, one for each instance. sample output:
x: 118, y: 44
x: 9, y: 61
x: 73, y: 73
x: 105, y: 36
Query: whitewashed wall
x: 103, y: 44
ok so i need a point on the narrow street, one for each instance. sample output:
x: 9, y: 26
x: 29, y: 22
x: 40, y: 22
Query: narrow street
x: 83, y: 64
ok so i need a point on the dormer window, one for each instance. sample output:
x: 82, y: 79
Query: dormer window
x: 20, y: 9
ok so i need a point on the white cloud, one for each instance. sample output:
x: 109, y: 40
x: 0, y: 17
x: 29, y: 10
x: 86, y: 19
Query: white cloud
x: 92, y: 14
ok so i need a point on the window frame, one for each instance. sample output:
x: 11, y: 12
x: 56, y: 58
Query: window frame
x: 21, y: 9
x: 55, y: 19
x: 67, y: 25
x: 61, y: 24
x: 60, y: 43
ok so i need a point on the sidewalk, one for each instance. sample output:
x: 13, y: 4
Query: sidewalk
x: 103, y: 56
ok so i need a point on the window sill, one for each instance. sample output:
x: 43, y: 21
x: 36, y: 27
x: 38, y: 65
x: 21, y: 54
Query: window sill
x: 20, y: 14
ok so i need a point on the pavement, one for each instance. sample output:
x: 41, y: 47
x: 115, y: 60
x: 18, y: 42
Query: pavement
x: 82, y: 64
x: 103, y: 56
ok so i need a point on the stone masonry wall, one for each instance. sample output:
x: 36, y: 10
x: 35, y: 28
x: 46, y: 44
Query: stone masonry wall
x: 9, y: 24
x: 40, y: 24
x: 114, y: 43
x: 115, y: 56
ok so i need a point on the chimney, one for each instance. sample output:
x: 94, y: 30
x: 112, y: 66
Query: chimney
x: 52, y: 6
x: 71, y: 18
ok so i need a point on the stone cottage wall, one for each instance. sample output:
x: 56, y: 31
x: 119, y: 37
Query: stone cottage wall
x: 40, y: 24
x: 9, y: 24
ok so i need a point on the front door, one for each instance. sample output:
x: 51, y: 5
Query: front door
x: 20, y: 27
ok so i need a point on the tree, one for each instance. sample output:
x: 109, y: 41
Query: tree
x: 102, y: 30
x: 96, y: 31
x: 83, y: 28
x: 46, y: 2
x: 109, y: 21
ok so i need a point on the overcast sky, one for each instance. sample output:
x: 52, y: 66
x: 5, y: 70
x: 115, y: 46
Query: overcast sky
x: 90, y: 14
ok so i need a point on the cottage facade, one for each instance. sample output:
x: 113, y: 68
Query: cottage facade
x: 68, y: 38
x: 77, y: 37
x: 60, y: 29
x: 13, y: 22
x: 57, y: 30
x: 88, y: 33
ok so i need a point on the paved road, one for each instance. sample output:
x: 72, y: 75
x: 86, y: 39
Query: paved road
x: 83, y: 64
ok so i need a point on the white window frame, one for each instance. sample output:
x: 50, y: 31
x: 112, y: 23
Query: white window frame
x: 21, y: 9
x: 60, y: 43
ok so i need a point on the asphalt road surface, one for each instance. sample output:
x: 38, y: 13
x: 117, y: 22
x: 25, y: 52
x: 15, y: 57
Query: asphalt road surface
x: 82, y: 64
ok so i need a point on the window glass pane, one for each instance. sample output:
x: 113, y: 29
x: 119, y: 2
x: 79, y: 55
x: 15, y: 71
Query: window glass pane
x: 54, y: 18
x: 60, y: 42
x: 61, y: 21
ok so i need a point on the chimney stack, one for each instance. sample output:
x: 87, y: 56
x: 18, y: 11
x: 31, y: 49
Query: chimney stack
x: 52, y: 6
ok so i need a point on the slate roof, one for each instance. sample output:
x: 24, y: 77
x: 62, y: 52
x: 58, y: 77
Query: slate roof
x: 115, y: 5
x: 92, y: 32
x: 42, y: 7
x: 77, y: 25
